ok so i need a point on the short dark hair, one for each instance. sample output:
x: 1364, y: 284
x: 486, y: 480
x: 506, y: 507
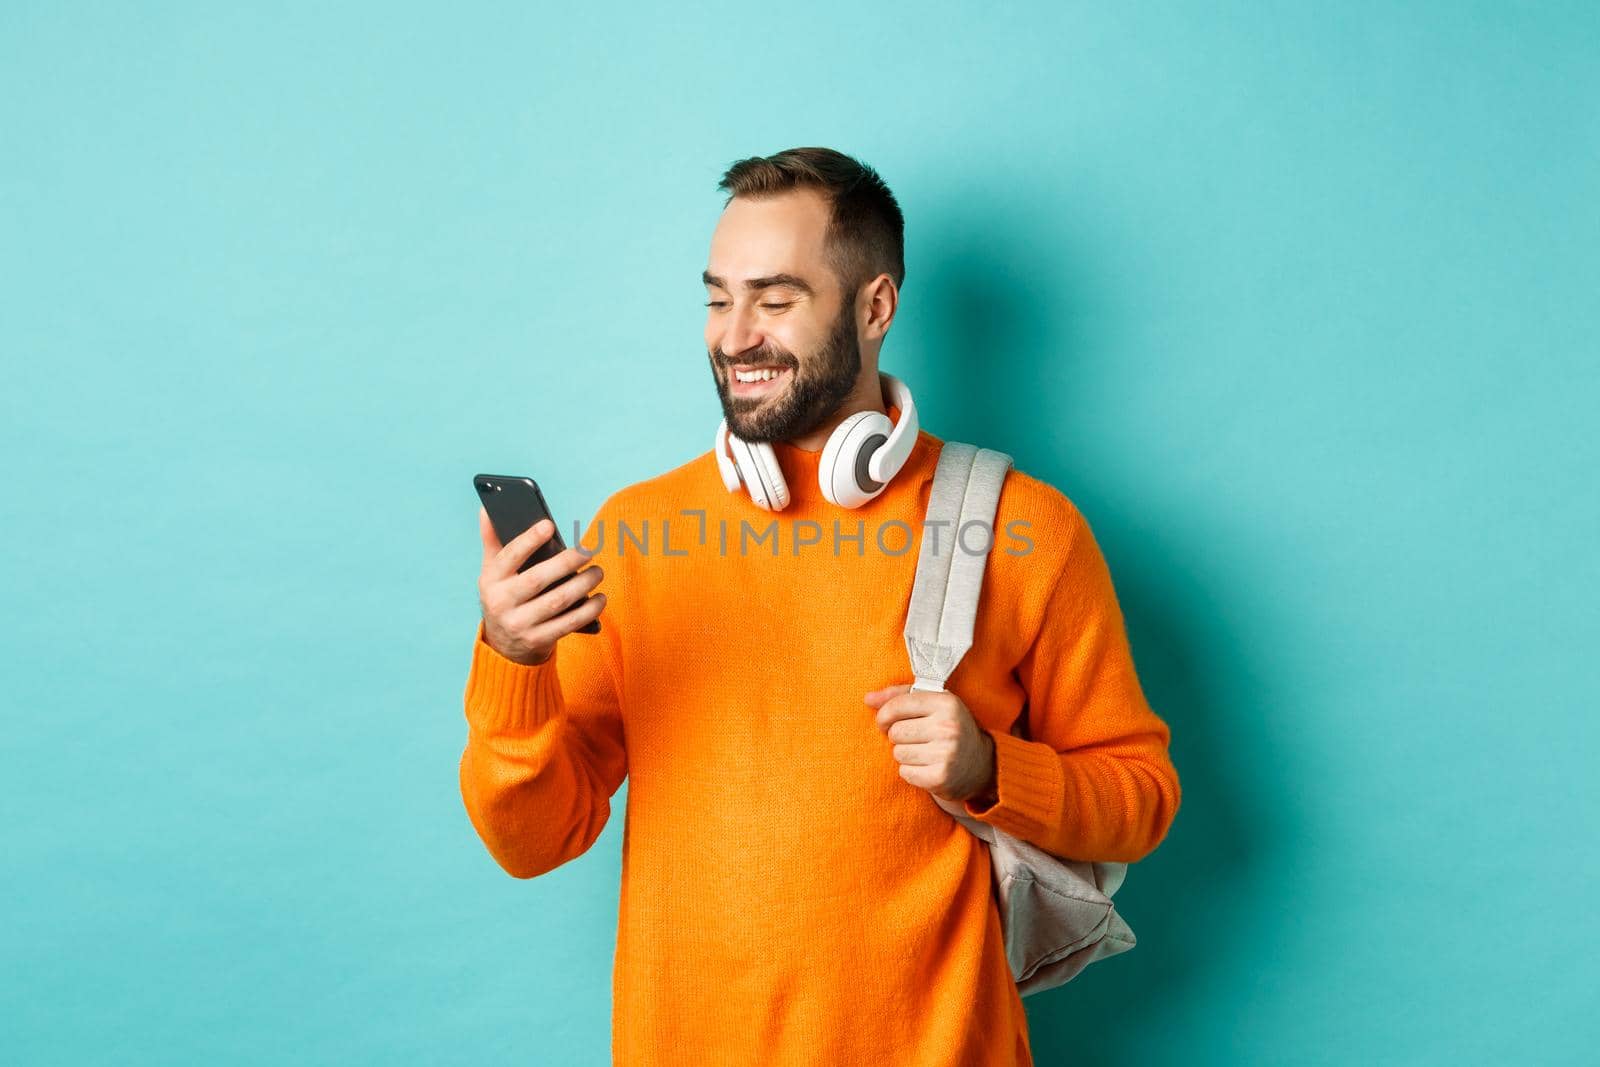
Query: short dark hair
x: 866, y: 236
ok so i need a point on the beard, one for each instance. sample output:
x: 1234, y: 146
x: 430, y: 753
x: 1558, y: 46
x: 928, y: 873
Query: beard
x: 817, y: 385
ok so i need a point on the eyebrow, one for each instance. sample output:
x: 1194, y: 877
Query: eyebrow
x: 793, y: 281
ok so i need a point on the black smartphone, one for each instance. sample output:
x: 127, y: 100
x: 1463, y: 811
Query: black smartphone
x: 514, y: 503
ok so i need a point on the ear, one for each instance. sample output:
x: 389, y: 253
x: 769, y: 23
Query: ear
x: 876, y: 306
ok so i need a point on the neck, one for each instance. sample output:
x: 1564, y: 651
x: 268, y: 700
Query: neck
x: 866, y: 396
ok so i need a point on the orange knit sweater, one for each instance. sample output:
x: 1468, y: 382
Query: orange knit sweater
x: 787, y: 897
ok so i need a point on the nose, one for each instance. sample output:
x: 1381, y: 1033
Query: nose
x: 739, y: 331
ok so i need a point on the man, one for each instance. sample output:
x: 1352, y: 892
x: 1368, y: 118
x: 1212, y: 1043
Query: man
x: 791, y: 893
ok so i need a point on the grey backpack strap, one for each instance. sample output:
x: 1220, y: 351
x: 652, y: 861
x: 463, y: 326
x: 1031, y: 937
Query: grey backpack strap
x: 944, y: 594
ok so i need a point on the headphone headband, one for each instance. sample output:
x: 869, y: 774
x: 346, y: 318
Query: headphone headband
x: 888, y: 460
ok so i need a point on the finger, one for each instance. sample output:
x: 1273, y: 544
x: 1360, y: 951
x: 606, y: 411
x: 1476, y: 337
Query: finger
x: 557, y: 598
x: 546, y: 573
x: 904, y: 706
x: 916, y: 775
x: 878, y: 696
x: 911, y: 731
x: 520, y: 547
x: 491, y: 542
x: 568, y: 621
x: 913, y: 755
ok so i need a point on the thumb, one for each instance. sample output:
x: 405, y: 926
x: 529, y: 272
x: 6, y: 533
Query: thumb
x: 491, y: 541
x: 878, y: 697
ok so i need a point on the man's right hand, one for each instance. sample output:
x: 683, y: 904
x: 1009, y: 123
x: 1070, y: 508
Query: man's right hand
x: 523, y: 617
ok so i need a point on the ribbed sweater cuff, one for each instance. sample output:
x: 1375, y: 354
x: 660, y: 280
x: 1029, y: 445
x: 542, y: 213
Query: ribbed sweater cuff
x: 504, y: 696
x: 1030, y: 784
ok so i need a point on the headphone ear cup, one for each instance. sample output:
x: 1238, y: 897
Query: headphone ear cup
x: 763, y: 478
x: 843, y: 470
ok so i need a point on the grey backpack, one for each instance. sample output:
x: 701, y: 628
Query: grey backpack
x: 1057, y: 914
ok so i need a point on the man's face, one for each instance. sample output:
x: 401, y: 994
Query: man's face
x: 775, y: 306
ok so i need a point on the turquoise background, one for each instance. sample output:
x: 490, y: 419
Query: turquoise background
x: 1298, y: 303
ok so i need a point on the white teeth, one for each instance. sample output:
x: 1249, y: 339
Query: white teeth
x: 765, y: 375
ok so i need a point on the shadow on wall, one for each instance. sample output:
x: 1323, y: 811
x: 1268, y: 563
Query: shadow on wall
x: 1014, y: 323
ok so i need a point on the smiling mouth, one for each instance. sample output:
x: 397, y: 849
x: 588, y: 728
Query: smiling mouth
x: 756, y: 381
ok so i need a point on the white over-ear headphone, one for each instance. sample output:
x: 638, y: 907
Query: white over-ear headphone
x: 863, y: 453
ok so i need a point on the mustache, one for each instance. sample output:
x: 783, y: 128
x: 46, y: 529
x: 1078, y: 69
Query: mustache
x: 760, y: 359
